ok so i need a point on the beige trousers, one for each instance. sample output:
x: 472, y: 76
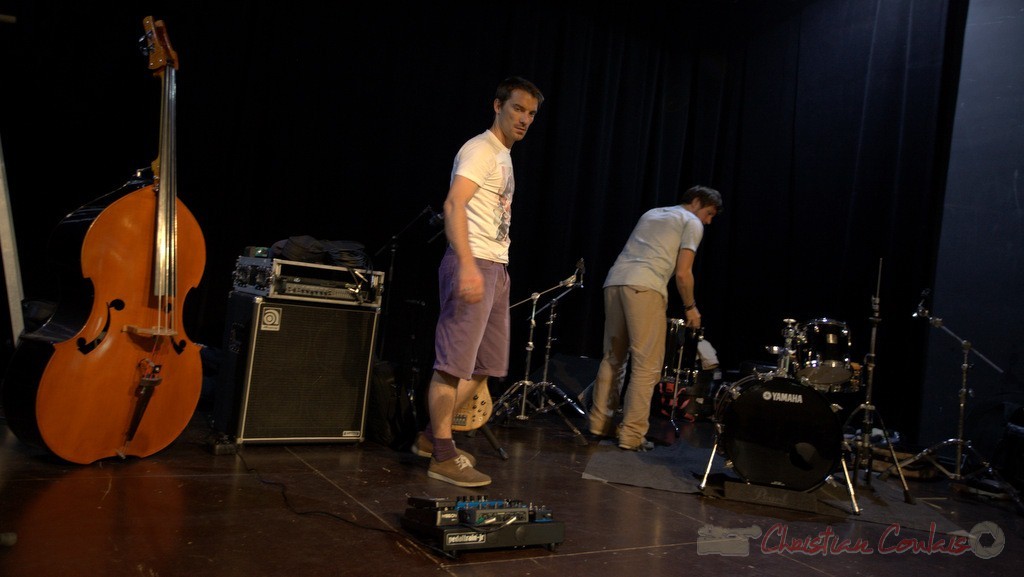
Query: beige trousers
x: 635, y: 326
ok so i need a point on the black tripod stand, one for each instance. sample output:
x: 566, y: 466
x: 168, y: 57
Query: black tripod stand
x: 963, y: 448
x: 537, y: 397
x: 864, y: 454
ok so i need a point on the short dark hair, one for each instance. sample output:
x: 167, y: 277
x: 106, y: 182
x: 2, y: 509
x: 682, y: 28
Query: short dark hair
x: 511, y: 83
x: 707, y: 196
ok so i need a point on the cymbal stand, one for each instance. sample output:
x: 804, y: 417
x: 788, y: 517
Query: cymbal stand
x: 964, y: 448
x: 544, y: 387
x: 521, y: 392
x: 864, y: 453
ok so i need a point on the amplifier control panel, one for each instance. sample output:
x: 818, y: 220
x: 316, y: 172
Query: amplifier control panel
x: 277, y: 278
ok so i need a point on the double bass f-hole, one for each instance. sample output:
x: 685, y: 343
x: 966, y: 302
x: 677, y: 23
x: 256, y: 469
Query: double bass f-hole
x: 86, y: 347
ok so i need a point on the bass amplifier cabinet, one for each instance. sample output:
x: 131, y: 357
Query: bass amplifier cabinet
x: 294, y: 371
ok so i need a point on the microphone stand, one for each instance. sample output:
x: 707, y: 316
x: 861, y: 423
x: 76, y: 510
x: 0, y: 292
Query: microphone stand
x: 410, y: 389
x: 520, y: 392
x: 963, y: 447
x: 393, y: 245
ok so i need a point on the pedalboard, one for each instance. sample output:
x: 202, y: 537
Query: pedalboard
x: 452, y: 525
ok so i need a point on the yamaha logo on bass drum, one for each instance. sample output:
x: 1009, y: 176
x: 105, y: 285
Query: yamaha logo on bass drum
x: 778, y: 397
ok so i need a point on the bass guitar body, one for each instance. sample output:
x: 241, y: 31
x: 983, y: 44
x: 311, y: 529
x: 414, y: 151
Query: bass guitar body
x: 475, y: 412
x: 112, y: 372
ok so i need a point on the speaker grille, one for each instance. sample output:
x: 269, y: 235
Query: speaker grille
x: 307, y: 374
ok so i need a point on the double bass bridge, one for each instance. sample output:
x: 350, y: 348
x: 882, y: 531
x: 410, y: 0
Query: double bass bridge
x: 150, y: 332
x: 157, y: 332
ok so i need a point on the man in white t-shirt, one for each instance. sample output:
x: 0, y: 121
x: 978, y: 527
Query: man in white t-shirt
x: 472, y: 335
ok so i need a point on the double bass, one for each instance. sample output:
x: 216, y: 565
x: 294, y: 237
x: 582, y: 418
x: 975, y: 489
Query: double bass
x: 112, y: 372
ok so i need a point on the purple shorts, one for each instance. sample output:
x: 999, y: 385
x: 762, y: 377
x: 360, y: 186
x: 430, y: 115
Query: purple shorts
x: 472, y: 339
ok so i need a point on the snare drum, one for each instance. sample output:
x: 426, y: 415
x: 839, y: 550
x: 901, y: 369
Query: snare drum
x: 823, y: 355
x: 778, y: 432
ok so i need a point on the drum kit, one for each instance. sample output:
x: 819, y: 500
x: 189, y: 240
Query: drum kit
x: 816, y: 354
x: 791, y: 426
x: 782, y: 428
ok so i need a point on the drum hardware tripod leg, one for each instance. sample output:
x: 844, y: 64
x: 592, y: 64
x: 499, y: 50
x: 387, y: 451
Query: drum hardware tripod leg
x: 546, y: 403
x: 522, y: 390
x: 684, y: 355
x: 686, y: 382
x: 677, y: 384
x: 711, y: 459
x: 846, y: 474
x: 489, y: 435
x: 718, y: 430
x: 545, y: 384
x: 964, y: 448
x: 865, y: 453
x: 864, y: 445
x: 518, y: 392
x: 849, y: 480
x: 863, y: 457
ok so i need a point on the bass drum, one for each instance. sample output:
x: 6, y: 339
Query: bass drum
x: 778, y: 432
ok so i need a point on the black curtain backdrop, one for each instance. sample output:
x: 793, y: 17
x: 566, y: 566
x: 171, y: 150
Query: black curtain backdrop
x: 825, y: 124
x: 980, y: 275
